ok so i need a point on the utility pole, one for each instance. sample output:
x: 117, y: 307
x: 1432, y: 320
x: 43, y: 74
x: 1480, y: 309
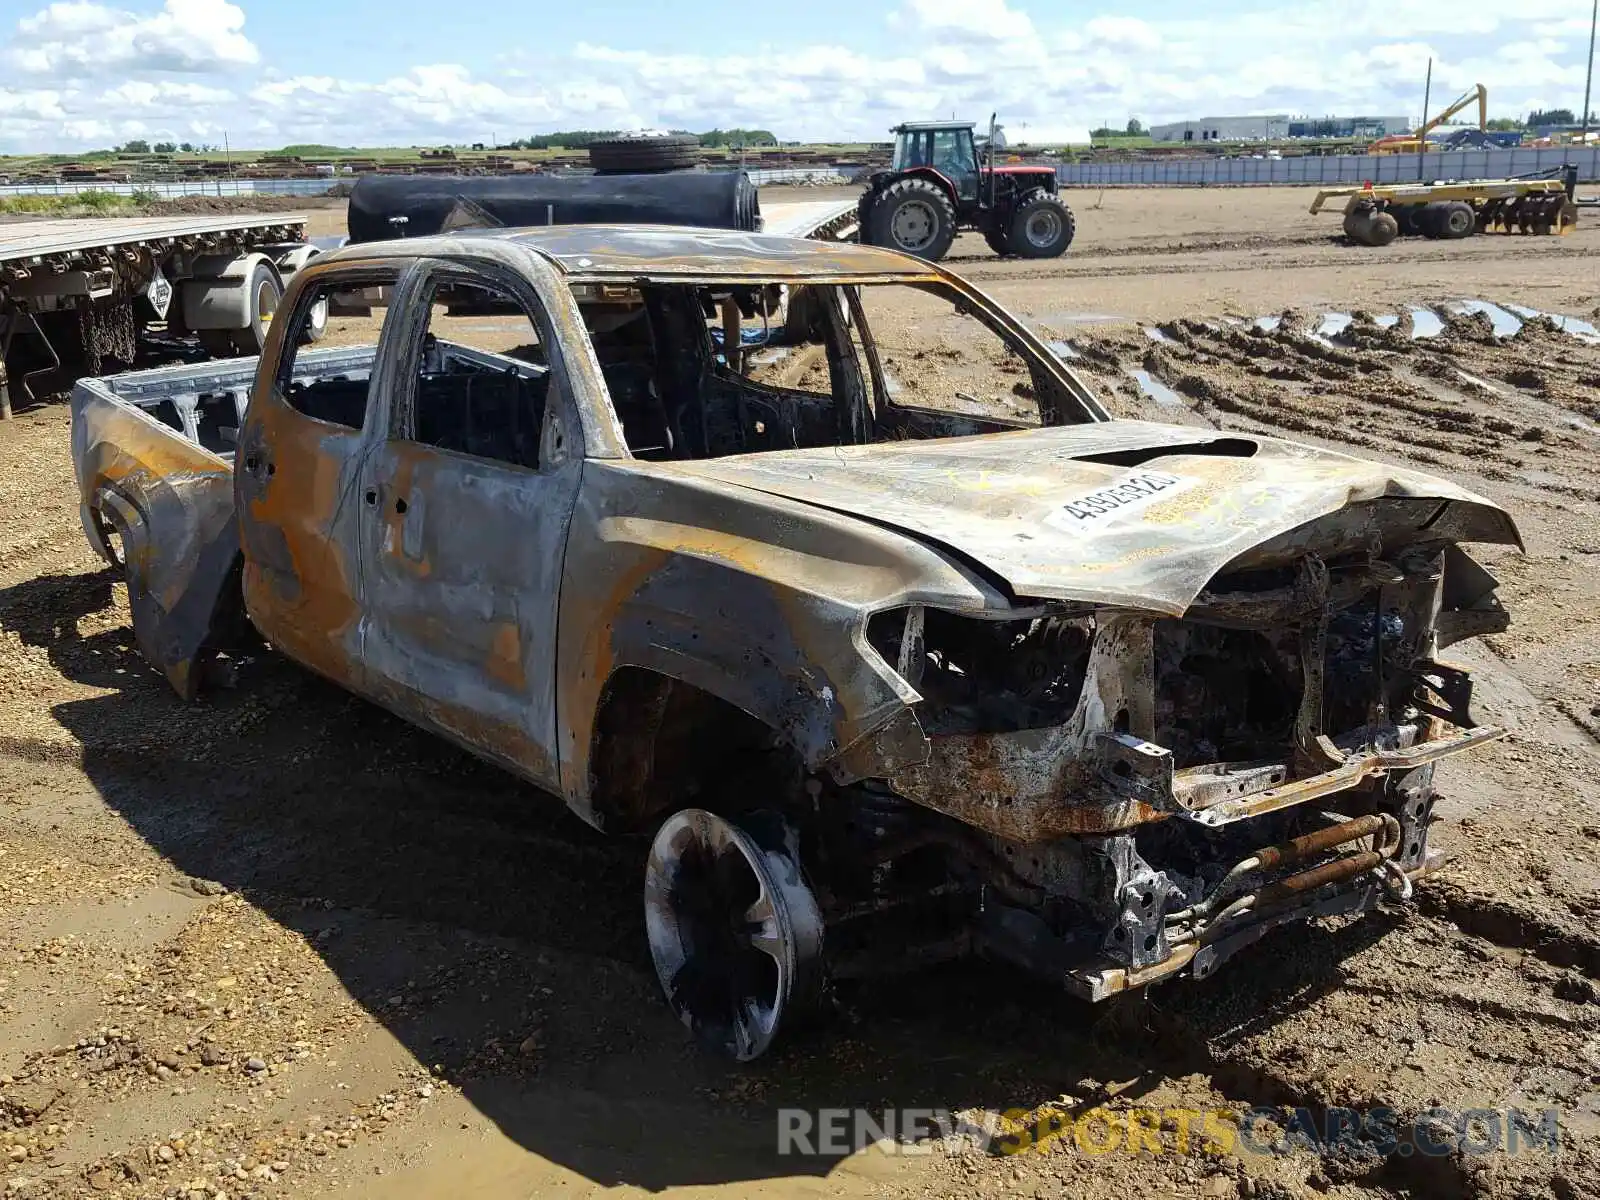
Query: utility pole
x: 1588, y: 79
x: 1422, y: 130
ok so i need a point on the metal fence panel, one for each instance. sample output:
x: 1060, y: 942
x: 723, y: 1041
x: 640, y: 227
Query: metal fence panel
x: 170, y: 190
x: 1334, y: 170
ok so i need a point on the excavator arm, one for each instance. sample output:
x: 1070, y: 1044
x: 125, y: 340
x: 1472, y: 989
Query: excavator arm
x: 1476, y: 92
x: 1412, y: 143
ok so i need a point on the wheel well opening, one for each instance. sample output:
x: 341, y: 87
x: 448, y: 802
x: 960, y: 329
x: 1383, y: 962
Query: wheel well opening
x: 661, y: 744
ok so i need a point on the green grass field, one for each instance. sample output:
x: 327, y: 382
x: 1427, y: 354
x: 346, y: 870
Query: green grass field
x: 83, y: 204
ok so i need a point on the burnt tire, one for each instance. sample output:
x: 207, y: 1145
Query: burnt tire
x: 642, y: 153
x: 913, y: 216
x: 733, y: 929
x: 1042, y: 227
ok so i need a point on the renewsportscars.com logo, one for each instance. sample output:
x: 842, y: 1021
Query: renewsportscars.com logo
x: 1435, y: 1132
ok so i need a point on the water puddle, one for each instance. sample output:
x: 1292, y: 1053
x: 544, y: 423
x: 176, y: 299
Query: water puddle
x: 1155, y: 334
x: 1333, y: 324
x: 768, y: 356
x: 1080, y: 318
x: 1267, y: 324
x: 1063, y: 349
x: 1156, y: 390
x: 1504, y: 323
x: 1425, y: 323
x: 1386, y: 320
x: 1576, y: 326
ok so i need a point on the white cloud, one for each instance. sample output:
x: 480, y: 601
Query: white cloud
x: 73, y: 39
x: 978, y: 21
x: 1128, y: 32
x: 77, y: 74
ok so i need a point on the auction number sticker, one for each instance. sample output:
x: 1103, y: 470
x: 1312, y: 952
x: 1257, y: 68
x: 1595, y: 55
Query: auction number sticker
x: 1128, y: 494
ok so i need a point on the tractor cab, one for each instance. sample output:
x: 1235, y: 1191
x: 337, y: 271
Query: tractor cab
x: 948, y: 148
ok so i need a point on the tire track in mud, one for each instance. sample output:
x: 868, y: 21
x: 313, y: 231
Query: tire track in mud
x: 1481, y: 997
x: 1329, y: 252
x: 1515, y: 409
x: 1199, y: 245
x: 1401, y: 1022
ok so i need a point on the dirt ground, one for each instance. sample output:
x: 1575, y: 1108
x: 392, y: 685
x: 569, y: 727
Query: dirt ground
x: 280, y: 944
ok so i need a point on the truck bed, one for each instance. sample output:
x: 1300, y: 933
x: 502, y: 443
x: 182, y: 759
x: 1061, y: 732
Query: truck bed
x: 205, y: 403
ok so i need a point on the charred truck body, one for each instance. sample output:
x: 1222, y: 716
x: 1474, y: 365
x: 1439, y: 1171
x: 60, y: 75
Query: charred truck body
x: 889, y: 666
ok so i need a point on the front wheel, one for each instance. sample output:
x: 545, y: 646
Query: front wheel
x: 913, y: 216
x: 1042, y: 227
x: 735, y: 933
x: 999, y: 241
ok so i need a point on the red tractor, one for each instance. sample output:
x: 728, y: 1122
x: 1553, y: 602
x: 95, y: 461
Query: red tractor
x: 938, y: 185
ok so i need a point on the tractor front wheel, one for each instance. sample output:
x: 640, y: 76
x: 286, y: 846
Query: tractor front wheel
x: 1042, y: 227
x: 913, y: 216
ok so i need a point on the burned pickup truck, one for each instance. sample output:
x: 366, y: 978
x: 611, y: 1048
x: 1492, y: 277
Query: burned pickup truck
x: 816, y: 566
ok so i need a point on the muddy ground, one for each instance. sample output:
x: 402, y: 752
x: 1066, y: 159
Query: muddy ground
x: 280, y: 944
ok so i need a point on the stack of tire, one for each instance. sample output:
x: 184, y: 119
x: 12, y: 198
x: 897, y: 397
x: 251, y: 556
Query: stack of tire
x: 644, y: 152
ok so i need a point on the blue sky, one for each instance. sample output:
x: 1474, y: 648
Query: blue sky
x: 78, y: 74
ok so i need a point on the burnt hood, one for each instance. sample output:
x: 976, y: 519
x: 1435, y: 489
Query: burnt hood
x: 1118, y: 512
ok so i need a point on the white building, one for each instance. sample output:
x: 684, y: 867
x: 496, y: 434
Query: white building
x: 1276, y: 127
x: 1224, y: 129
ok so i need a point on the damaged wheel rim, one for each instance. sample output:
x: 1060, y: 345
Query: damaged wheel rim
x: 733, y: 930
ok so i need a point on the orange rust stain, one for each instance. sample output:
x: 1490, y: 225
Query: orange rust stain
x: 123, y: 445
x: 300, y: 502
x: 505, y: 664
x: 580, y: 697
x: 509, y: 745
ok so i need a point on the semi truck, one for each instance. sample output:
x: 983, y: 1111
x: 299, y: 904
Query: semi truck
x: 75, y: 294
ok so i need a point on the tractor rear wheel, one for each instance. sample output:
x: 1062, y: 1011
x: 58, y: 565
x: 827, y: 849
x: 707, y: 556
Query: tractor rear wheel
x: 1042, y: 227
x: 913, y: 216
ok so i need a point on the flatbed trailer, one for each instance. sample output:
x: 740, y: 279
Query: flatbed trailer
x: 75, y: 293
x: 1376, y: 214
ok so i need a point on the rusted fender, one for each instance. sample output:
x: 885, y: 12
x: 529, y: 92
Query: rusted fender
x: 171, y: 504
x: 760, y: 601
